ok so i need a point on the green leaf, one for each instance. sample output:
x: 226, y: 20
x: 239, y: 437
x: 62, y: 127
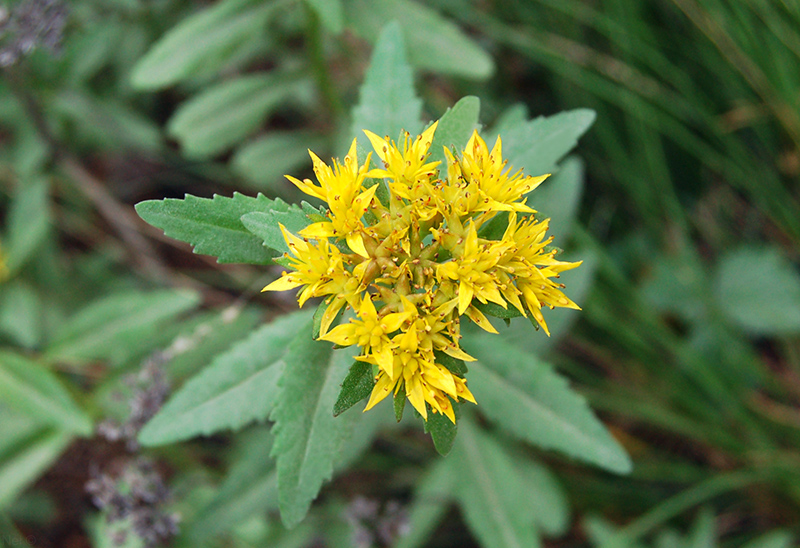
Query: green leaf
x: 435, y: 43
x: 21, y: 313
x: 213, y: 333
x: 22, y: 467
x: 399, y: 404
x: 758, y: 289
x: 387, y: 101
x: 307, y: 436
x: 249, y: 489
x: 558, y: 197
x: 357, y: 385
x: 527, y: 398
x: 28, y: 223
x: 455, y: 128
x: 538, y: 145
x: 454, y: 365
x: 114, y: 326
x: 497, y: 311
x: 432, y: 496
x: 265, y: 225
x: 704, y: 531
x: 330, y: 12
x: 223, y: 115
x: 264, y: 162
x: 203, y: 42
x: 547, y: 502
x: 773, y: 539
x: 238, y: 387
x: 212, y: 226
x: 28, y: 386
x: 489, y: 491
x: 442, y: 431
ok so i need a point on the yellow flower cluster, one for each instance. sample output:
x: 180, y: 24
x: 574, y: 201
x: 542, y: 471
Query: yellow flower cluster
x: 410, y: 261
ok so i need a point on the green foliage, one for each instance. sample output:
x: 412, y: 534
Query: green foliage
x: 266, y: 225
x: 436, y: 44
x: 526, y: 397
x: 759, y: 290
x: 238, y: 387
x: 307, y: 436
x: 30, y: 387
x: 455, y: 127
x: 212, y: 226
x: 490, y: 493
x: 114, y: 325
x: 356, y: 386
x: 203, y: 42
x: 221, y: 116
x: 387, y: 101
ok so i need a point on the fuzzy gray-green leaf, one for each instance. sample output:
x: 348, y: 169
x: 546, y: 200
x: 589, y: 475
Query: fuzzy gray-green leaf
x: 387, y: 101
x: 530, y: 400
x: 238, y: 387
x: 307, y: 436
x: 212, y: 226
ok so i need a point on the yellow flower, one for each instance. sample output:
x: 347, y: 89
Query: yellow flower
x: 341, y: 187
x: 419, y: 262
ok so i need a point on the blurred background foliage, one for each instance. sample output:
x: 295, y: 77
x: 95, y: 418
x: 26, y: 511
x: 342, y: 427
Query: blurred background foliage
x: 688, y: 220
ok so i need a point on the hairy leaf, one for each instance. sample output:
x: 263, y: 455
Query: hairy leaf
x: 538, y: 145
x: 212, y: 226
x: 238, y: 387
x: 530, y: 400
x: 265, y: 225
x: 493, y: 501
x: 435, y: 43
x: 387, y: 101
x: 307, y: 436
x: 455, y: 128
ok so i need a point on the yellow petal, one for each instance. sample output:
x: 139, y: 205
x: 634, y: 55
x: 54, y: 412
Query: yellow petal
x: 356, y: 243
x: 286, y: 281
x: 382, y: 389
x: 477, y: 316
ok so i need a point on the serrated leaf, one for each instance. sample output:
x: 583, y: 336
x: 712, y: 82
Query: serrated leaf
x: 265, y: 225
x: 28, y: 462
x: 111, y: 327
x: 238, y: 387
x: 454, y: 129
x: 29, y: 387
x: 221, y: 116
x: 497, y: 311
x: 249, y: 489
x: 435, y: 43
x: 432, y: 497
x: 28, y: 223
x: 265, y: 161
x: 307, y: 436
x: 212, y: 226
x: 489, y: 491
x: 528, y: 399
x: 357, y: 385
x: 387, y: 101
x: 759, y: 290
x: 330, y: 12
x: 538, y: 145
x: 202, y: 42
x: 442, y: 431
